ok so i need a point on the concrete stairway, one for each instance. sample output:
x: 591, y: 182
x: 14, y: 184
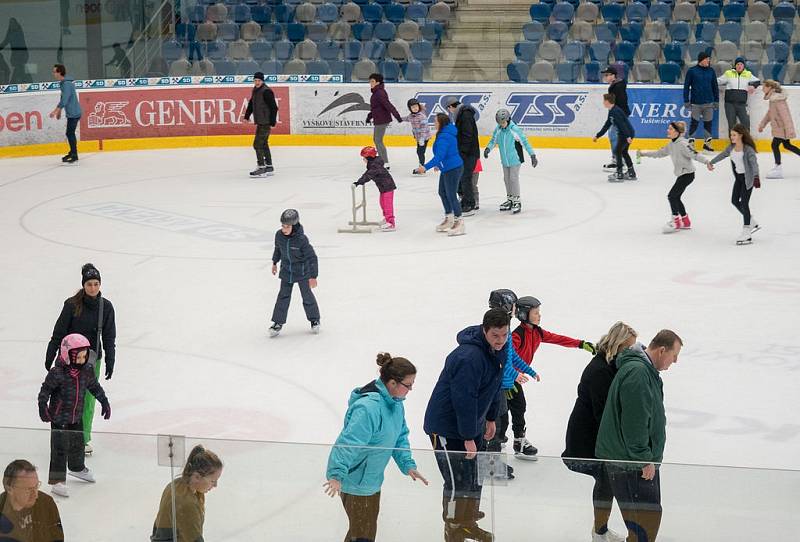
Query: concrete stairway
x: 480, y: 40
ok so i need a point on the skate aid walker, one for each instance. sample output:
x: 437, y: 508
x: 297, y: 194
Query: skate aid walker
x: 363, y: 225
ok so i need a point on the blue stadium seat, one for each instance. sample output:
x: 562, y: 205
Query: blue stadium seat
x: 317, y: 32
x: 705, y: 32
x: 625, y: 52
x: 197, y: 14
x: 395, y: 13
x: 636, y: 11
x: 385, y: 31
x: 680, y: 31
x: 564, y: 12
x: 390, y: 70
x: 247, y: 67
x: 317, y: 67
x: 261, y: 14
x: 675, y: 53
x: 361, y: 3
x: 606, y: 32
x: 550, y: 3
x: 272, y: 31
x: 599, y: 51
x: 778, y: 52
x: 613, y: 13
x: 568, y: 72
x: 343, y: 68
x: 775, y: 71
x: 518, y: 71
x: 533, y: 31
x: 622, y: 68
x: 374, y: 50
x: 362, y: 31
x: 295, y: 32
x: 216, y: 50
x: 261, y: 50
x: 224, y: 67
x: 372, y: 13
x: 228, y: 31
x: 422, y: 50
x: 631, y: 32
x: 700, y: 47
x: 241, y: 14
x: 730, y: 31
x: 283, y: 13
x: 352, y: 50
x: 575, y: 3
x: 328, y: 13
x: 661, y: 11
x: 417, y: 11
x: 782, y: 31
x: 669, y: 72
x: 592, y: 72
x: 558, y: 31
x: 574, y: 51
x: 329, y: 50
x: 540, y: 12
x: 526, y: 51
x: 734, y: 12
x: 283, y: 50
x: 413, y: 71
x: 432, y: 31
x: 171, y: 51
x: 709, y: 12
x: 785, y: 11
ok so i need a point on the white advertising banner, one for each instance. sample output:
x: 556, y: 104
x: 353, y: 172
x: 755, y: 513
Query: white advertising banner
x: 24, y: 119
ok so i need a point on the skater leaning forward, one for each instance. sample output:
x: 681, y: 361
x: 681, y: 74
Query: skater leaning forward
x: 298, y: 266
x: 264, y: 110
x: 510, y: 140
x: 681, y: 154
x: 625, y: 133
x: 742, y: 152
x: 377, y: 173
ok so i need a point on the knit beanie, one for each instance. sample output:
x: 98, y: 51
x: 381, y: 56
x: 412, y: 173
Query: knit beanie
x: 89, y: 272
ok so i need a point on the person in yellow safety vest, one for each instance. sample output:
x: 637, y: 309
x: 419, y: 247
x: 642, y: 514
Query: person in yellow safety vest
x: 739, y: 83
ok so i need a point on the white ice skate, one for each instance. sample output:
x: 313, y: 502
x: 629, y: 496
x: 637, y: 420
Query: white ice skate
x: 88, y: 450
x: 60, y: 489
x: 516, y: 205
x: 387, y: 227
x: 754, y: 226
x: 608, y: 536
x: 775, y: 173
x: 746, y: 237
x: 315, y: 327
x: 275, y: 330
x: 673, y: 225
x: 86, y: 475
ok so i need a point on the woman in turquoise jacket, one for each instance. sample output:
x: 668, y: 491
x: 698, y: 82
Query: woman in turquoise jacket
x: 510, y: 140
x: 374, y: 431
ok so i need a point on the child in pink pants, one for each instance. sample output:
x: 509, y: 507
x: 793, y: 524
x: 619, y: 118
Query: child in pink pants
x: 383, y: 180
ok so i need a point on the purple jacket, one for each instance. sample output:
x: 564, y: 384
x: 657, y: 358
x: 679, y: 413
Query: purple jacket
x: 381, y: 109
x: 419, y: 124
x: 378, y: 173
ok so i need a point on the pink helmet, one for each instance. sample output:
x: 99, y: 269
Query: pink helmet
x: 75, y: 341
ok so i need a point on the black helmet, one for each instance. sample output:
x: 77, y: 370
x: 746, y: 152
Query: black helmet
x: 290, y: 216
x: 525, y: 305
x: 502, y: 299
x: 413, y: 101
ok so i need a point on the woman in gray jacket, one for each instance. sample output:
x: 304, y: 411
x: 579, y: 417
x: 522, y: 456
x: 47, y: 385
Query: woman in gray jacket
x: 742, y: 152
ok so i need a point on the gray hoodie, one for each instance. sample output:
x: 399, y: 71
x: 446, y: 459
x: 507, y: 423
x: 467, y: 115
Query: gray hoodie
x: 750, y: 163
x: 681, y: 155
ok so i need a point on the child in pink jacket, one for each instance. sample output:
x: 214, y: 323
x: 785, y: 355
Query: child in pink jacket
x: 780, y: 121
x: 419, y: 129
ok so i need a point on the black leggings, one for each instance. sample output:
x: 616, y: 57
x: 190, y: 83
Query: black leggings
x: 676, y: 192
x: 741, y: 197
x: 421, y: 152
x: 776, y: 148
x: 621, y: 153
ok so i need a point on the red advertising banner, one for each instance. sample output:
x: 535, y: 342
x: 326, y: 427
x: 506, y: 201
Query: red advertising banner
x: 169, y: 112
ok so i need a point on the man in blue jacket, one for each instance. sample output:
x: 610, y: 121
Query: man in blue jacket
x: 69, y: 104
x: 465, y: 398
x: 701, y: 96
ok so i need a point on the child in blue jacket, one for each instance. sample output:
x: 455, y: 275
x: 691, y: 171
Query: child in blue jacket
x: 510, y: 140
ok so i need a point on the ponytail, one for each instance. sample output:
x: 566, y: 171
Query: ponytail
x: 394, y: 368
x: 201, y: 461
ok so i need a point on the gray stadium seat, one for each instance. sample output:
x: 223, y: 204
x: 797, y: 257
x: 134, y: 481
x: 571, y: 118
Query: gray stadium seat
x: 684, y: 12
x: 306, y: 50
x: 655, y: 31
x: 305, y: 13
x: 250, y: 31
x: 399, y: 50
x: 295, y: 67
x: 206, y: 32
x: 542, y: 72
x: 726, y: 51
x: 363, y: 69
x: 339, y: 31
x: 180, y: 68
x: 217, y: 13
x: 350, y: 12
x: 756, y: 31
x: 439, y: 12
x: 239, y: 50
x: 408, y: 30
x: 644, y: 72
x: 550, y: 51
x: 582, y: 31
x: 587, y: 12
x: 206, y: 67
x: 753, y: 51
x: 759, y: 11
x: 650, y: 51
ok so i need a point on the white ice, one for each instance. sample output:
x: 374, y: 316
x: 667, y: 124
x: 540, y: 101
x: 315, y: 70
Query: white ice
x: 193, y: 307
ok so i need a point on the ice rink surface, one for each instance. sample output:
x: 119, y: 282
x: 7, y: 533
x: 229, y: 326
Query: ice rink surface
x: 183, y: 239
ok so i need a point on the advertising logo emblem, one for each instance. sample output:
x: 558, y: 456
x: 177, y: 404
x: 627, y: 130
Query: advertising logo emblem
x: 109, y: 115
x: 545, y: 109
x: 435, y: 102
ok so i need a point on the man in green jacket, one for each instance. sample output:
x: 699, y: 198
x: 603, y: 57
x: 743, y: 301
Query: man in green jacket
x: 633, y: 429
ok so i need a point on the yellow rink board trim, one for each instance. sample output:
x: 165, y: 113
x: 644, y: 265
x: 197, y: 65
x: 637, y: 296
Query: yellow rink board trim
x: 327, y: 140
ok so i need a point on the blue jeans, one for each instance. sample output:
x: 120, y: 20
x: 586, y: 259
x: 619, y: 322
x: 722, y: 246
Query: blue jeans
x: 448, y: 190
x: 613, y: 136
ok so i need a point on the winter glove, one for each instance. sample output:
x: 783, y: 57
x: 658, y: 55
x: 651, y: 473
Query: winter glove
x: 106, y: 412
x: 534, y: 160
x: 44, y: 415
x: 486, y: 152
x: 369, y: 118
x: 589, y: 347
x: 109, y: 370
x: 757, y: 181
x: 510, y: 393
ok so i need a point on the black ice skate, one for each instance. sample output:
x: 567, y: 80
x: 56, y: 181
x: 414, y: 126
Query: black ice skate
x: 707, y: 145
x: 70, y: 159
x: 523, y: 449
x: 611, y: 166
x: 275, y: 330
x: 260, y: 171
x: 506, y: 205
x: 269, y: 168
x: 617, y: 177
x: 66, y: 157
x: 630, y: 175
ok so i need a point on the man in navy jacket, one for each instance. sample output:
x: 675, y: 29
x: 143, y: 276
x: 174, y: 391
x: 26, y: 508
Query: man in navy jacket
x: 464, y: 401
x: 701, y: 95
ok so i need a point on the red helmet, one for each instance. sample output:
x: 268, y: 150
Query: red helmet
x: 369, y: 152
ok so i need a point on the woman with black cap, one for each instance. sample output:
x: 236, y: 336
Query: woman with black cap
x: 91, y: 315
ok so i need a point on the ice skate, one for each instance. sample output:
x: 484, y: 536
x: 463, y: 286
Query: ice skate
x: 315, y: 327
x: 707, y: 145
x: 686, y: 224
x: 523, y: 449
x: 66, y: 157
x: 86, y: 475
x: 462, y: 532
x: 516, y: 206
x: 754, y: 227
x: 691, y: 141
x: 260, y: 171
x: 608, y: 536
x: 387, y: 227
x: 469, y: 211
x: 673, y: 225
x: 506, y: 205
x: 386, y: 165
x: 611, y: 166
x: 88, y: 450
x: 746, y: 237
x: 275, y: 330
x: 458, y: 228
x: 60, y: 489
x: 775, y: 173
x: 630, y: 175
x: 70, y: 159
x: 446, y: 224
x: 416, y: 172
x: 269, y: 168
x: 617, y: 177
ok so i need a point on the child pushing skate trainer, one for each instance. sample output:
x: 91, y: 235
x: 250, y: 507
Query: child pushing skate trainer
x: 383, y: 180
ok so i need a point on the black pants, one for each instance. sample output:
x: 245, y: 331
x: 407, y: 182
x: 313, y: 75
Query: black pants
x: 460, y: 474
x: 602, y: 496
x: 362, y: 515
x: 621, y: 153
x: 66, y: 450
x: 675, y: 193
x: 261, y: 145
x: 516, y: 408
x: 421, y: 152
x: 734, y: 111
x: 72, y: 125
x: 639, y: 501
x: 465, y: 188
x: 285, y: 297
x: 740, y: 198
x: 776, y: 148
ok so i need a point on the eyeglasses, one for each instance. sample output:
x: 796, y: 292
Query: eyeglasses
x: 406, y: 386
x: 29, y: 489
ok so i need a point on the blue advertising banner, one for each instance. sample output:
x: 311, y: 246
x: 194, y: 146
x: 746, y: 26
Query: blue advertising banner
x: 652, y: 109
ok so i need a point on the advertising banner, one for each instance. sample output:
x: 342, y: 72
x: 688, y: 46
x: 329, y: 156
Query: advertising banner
x: 652, y: 109
x: 24, y: 120
x: 121, y: 114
